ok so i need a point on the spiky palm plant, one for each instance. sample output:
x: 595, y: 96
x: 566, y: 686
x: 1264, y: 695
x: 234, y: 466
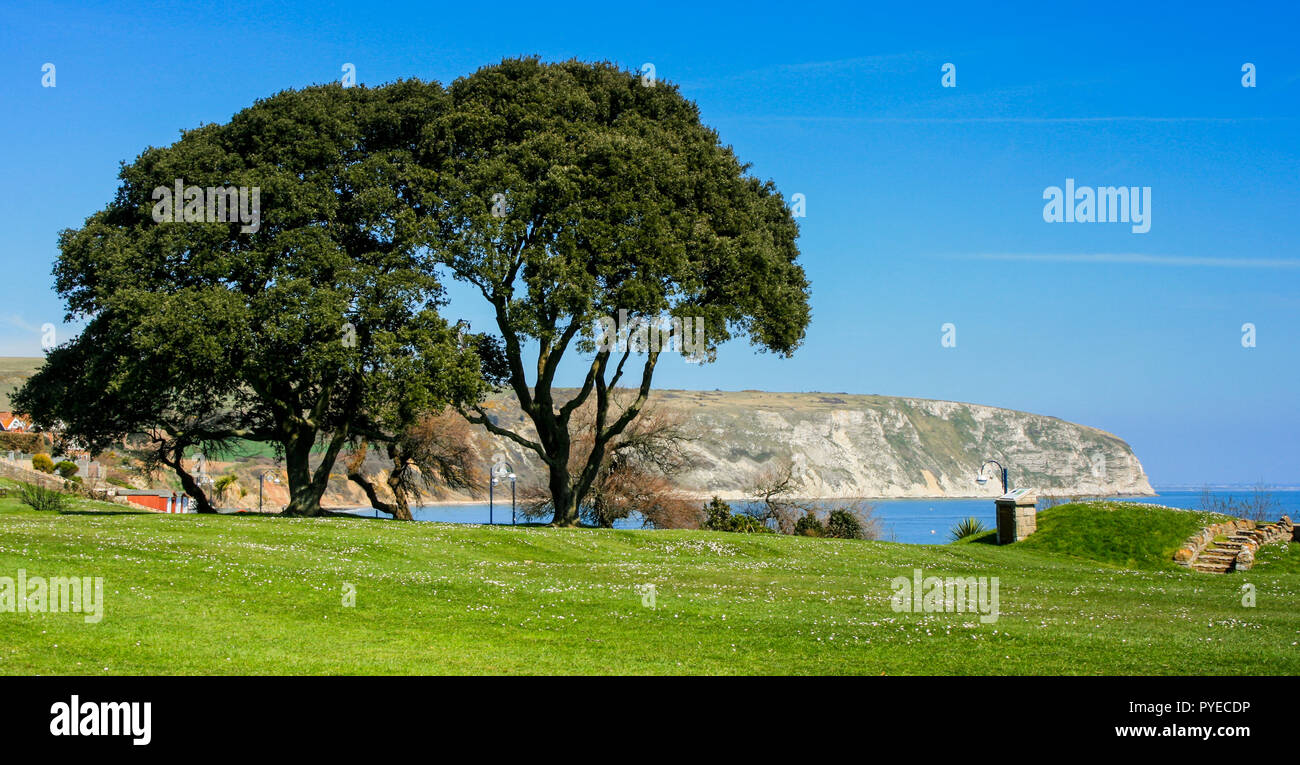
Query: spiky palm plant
x: 967, y: 527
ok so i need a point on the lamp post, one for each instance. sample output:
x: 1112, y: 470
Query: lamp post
x: 260, y: 477
x: 982, y: 479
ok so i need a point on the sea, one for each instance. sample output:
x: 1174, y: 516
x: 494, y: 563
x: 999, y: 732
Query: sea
x: 910, y: 521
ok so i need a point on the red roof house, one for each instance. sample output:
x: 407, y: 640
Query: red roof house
x: 13, y: 423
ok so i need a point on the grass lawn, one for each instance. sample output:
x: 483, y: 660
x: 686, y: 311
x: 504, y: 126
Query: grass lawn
x: 209, y: 595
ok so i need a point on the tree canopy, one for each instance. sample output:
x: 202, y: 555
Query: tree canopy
x: 570, y: 192
x: 315, y: 325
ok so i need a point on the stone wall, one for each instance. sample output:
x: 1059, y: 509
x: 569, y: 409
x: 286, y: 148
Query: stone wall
x: 1263, y: 534
x: 22, y: 473
x: 27, y: 475
x: 1245, y: 538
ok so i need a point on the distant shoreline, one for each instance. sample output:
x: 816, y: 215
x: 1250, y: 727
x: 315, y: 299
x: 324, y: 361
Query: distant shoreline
x: 1158, y: 491
x: 469, y: 502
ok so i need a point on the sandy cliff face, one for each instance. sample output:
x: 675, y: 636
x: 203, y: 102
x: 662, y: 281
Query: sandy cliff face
x: 879, y: 446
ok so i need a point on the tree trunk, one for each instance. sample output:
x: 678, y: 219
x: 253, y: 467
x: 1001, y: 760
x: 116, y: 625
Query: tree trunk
x: 401, y: 507
x: 562, y: 496
x: 307, y: 486
x: 297, y: 454
x: 188, y: 483
x: 193, y: 489
x: 398, y: 510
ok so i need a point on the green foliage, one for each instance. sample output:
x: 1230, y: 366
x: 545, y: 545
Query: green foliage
x: 842, y: 524
x: 809, y: 526
x: 43, y: 463
x: 569, y: 192
x: 717, y: 515
x: 967, y: 527
x: 21, y: 442
x: 66, y: 468
x: 221, y: 487
x: 321, y: 323
x: 748, y: 524
x: 41, y: 498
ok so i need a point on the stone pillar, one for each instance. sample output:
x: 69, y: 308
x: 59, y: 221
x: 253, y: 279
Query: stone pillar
x: 1017, y: 516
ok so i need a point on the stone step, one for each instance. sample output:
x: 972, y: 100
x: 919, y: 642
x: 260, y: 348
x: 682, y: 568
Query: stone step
x: 1228, y: 542
x: 1210, y: 555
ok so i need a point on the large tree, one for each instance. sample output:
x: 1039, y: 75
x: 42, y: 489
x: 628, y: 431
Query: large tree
x: 570, y: 192
x: 296, y: 325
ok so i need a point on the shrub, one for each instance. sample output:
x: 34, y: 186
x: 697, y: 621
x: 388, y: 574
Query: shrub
x: 66, y: 468
x: 43, y: 463
x: 41, y: 498
x: 221, y: 490
x: 717, y: 515
x: 842, y: 524
x: 20, y: 442
x: 967, y: 527
x: 748, y: 524
x: 809, y: 526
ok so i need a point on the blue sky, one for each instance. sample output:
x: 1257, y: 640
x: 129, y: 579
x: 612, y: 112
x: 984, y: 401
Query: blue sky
x: 924, y: 203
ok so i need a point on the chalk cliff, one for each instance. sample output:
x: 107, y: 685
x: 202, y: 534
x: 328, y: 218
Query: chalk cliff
x: 880, y: 446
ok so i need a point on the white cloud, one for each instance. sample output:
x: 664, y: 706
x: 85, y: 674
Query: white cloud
x: 1139, y: 259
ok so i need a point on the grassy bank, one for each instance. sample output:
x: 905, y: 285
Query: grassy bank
x: 199, y: 594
